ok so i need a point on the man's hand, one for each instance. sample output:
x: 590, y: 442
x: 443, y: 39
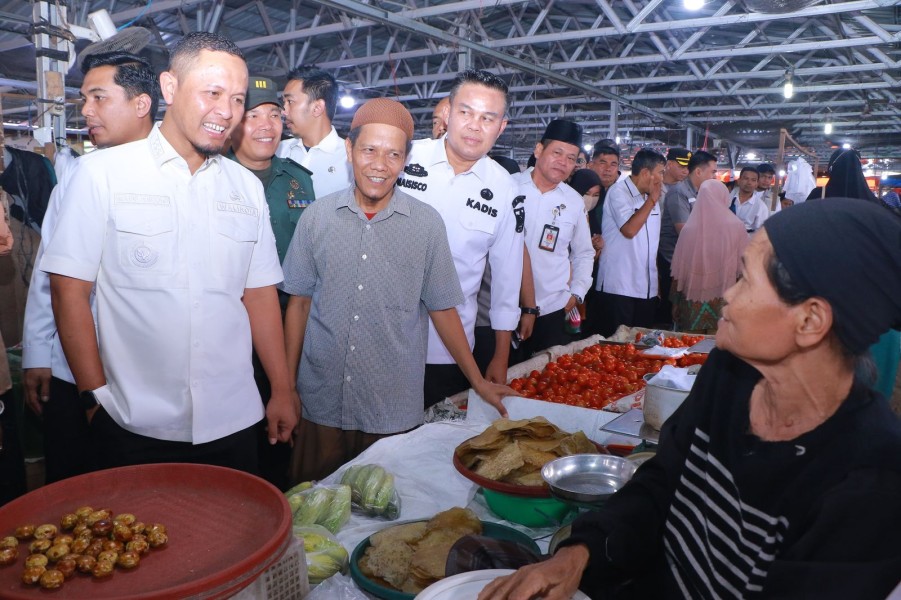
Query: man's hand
x: 554, y: 579
x: 597, y: 242
x: 493, y: 393
x: 526, y: 325
x: 37, y: 389
x: 496, y: 371
x: 282, y: 415
x: 570, y: 304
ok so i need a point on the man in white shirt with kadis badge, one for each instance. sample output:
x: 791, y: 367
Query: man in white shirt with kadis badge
x: 556, y: 234
x: 310, y: 101
x: 178, y: 241
x: 484, y: 217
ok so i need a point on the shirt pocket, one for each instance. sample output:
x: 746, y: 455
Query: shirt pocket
x: 232, y: 243
x: 473, y: 236
x: 146, y: 240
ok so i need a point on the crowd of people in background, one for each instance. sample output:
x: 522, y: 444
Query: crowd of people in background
x: 196, y: 273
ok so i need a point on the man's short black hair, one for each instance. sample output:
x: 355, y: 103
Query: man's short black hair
x: 748, y: 170
x: 765, y: 168
x: 646, y: 159
x: 187, y: 49
x: 486, y: 78
x: 699, y: 159
x: 605, y: 147
x: 318, y: 85
x: 133, y: 74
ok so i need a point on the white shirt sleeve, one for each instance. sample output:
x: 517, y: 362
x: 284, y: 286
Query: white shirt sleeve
x: 619, y: 206
x: 581, y: 258
x: 505, y: 258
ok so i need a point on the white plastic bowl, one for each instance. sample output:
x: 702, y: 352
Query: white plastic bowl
x: 660, y: 402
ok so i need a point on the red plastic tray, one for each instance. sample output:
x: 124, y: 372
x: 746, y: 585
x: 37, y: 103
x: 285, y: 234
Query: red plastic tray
x: 225, y: 528
x: 529, y: 491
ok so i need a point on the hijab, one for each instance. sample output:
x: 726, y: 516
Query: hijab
x: 707, y: 258
x: 582, y: 181
x: 846, y: 178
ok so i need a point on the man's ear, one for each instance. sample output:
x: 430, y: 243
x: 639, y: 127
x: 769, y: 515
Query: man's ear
x: 168, y: 86
x: 142, y: 106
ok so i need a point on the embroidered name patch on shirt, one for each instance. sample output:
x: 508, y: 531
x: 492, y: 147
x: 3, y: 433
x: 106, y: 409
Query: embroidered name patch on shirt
x: 141, y: 199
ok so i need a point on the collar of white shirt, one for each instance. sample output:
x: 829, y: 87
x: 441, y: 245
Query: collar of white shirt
x: 163, y: 152
x: 439, y: 155
x: 330, y: 143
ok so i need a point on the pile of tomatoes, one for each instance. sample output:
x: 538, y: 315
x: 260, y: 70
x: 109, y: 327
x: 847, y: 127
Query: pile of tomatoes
x: 683, y: 341
x: 596, y: 376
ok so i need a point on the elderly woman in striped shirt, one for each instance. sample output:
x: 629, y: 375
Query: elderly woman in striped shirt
x: 780, y: 475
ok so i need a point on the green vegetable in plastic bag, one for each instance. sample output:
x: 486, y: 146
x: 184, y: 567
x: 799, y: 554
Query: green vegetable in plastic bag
x: 338, y: 512
x: 328, y: 506
x: 324, y: 554
x: 314, y: 506
x: 372, y: 491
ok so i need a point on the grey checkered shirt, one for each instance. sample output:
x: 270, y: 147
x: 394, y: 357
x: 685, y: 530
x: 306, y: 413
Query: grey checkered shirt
x: 372, y: 284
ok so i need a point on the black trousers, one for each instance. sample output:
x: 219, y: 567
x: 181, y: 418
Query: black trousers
x: 664, y: 313
x: 12, y: 457
x: 483, y: 351
x: 442, y: 381
x: 624, y: 310
x: 117, y: 447
x: 549, y: 331
x: 68, y: 445
x: 274, y: 460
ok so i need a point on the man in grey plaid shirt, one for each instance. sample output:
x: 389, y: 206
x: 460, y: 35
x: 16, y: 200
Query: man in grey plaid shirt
x: 366, y: 269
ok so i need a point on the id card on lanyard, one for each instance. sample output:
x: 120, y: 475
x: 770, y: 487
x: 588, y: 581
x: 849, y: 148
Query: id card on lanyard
x: 549, y: 238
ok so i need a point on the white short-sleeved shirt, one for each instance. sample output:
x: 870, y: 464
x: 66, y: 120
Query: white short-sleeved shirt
x: 41, y: 348
x: 484, y: 218
x: 628, y: 267
x: 327, y: 160
x: 567, y: 269
x: 171, y: 254
x: 753, y: 212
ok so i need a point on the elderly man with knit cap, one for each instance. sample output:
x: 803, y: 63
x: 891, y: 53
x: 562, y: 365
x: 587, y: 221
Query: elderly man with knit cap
x: 366, y: 269
x: 557, y: 236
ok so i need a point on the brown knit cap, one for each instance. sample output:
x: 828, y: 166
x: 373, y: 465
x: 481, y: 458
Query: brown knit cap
x: 385, y: 111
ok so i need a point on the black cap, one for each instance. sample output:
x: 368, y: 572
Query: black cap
x: 680, y: 155
x: 260, y: 91
x: 564, y: 131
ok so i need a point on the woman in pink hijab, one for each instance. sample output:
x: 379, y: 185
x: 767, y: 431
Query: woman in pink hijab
x: 707, y: 260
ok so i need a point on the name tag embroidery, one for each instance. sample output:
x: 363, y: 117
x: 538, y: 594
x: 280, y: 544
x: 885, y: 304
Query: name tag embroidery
x: 141, y: 199
x: 237, y: 208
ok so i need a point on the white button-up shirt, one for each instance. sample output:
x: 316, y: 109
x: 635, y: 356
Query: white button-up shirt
x: 628, y: 267
x: 561, y: 207
x: 327, y: 160
x: 41, y: 348
x: 171, y: 254
x: 753, y: 212
x: 484, y: 218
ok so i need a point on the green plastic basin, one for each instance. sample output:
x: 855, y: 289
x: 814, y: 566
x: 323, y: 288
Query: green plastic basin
x: 528, y: 511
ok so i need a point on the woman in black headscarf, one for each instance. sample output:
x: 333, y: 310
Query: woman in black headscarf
x: 780, y: 474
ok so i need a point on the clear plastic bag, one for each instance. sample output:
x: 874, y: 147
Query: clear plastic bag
x: 339, y: 587
x: 326, y: 505
x: 372, y: 491
x: 324, y: 554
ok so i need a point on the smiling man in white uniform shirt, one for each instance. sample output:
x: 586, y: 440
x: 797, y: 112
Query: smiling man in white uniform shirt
x: 556, y: 234
x: 310, y: 100
x: 178, y: 241
x: 484, y: 217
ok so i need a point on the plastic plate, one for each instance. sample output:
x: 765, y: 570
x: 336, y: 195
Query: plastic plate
x: 225, y: 528
x: 489, y: 529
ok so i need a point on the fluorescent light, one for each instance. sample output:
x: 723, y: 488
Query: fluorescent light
x: 827, y: 128
x: 751, y: 156
x: 789, y: 90
x: 587, y: 147
x: 846, y: 146
x: 616, y: 139
x: 347, y: 101
x: 781, y: 172
x: 693, y: 4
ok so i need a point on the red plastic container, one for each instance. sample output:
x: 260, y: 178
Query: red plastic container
x: 225, y: 528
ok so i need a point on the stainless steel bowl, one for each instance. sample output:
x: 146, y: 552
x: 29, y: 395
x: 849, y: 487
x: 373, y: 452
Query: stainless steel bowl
x: 587, y: 478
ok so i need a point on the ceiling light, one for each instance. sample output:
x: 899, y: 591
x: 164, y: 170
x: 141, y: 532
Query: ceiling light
x: 693, y: 4
x: 587, y: 147
x: 846, y: 146
x: 827, y: 128
x: 789, y: 90
x: 781, y: 172
x: 884, y: 175
x: 617, y: 140
x: 347, y: 101
x: 750, y: 156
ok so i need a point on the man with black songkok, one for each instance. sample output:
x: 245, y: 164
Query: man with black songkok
x: 367, y: 268
x: 557, y: 236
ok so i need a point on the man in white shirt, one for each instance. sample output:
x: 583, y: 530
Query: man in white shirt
x: 120, y: 94
x: 310, y: 100
x: 556, y: 234
x: 747, y: 204
x: 627, y: 272
x: 177, y: 239
x: 477, y: 199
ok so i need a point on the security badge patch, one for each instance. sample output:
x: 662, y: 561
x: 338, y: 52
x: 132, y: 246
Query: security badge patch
x: 414, y: 170
x: 519, y: 211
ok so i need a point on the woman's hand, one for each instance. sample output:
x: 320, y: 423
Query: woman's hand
x: 555, y: 579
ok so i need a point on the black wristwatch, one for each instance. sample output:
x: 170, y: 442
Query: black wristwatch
x: 88, y: 399
x: 528, y: 310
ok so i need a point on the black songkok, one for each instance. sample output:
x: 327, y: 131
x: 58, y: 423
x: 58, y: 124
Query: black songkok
x: 564, y: 131
x: 848, y: 252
